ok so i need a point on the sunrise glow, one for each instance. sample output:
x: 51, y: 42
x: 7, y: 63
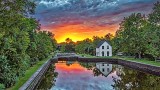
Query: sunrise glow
x: 81, y: 32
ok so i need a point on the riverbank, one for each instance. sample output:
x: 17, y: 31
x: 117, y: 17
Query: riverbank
x: 143, y: 65
x: 143, y: 61
x: 29, y: 73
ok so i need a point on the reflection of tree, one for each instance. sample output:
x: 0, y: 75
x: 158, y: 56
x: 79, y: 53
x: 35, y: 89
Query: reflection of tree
x: 68, y: 63
x: 136, y: 80
x: 48, y: 79
x: 87, y: 65
x: 96, y: 72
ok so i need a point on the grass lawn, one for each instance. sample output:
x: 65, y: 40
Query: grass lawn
x: 144, y: 61
x: 87, y: 55
x: 28, y: 74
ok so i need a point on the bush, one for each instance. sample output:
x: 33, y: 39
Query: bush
x: 2, y: 87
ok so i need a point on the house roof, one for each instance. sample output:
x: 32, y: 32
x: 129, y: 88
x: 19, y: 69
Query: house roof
x: 103, y: 73
x: 100, y: 43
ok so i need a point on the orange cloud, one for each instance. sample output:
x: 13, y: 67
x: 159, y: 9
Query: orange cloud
x: 79, y: 32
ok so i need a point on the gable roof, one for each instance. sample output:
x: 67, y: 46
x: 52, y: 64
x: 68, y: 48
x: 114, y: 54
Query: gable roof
x: 100, y: 43
x: 103, y: 73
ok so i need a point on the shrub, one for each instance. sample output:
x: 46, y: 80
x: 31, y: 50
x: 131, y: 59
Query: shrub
x: 2, y: 87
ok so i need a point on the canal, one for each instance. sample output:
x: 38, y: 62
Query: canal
x: 74, y: 75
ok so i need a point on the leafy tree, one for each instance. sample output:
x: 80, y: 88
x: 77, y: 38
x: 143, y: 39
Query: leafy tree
x: 139, y: 35
x: 70, y: 45
x: 21, y: 42
x: 154, y: 17
x: 152, y: 35
x: 131, y: 33
x: 96, y: 40
x: 108, y: 37
x: 85, y: 47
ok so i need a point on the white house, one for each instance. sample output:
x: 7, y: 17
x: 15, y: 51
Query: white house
x: 105, y: 68
x: 104, y: 49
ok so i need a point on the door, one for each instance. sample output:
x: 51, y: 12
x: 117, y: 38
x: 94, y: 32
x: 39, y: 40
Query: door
x: 102, y: 53
x: 107, y: 53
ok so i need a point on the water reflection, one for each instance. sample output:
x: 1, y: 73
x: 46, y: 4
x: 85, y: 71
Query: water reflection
x: 48, y: 79
x: 135, y: 80
x: 104, y: 68
x: 97, y: 76
x: 68, y: 63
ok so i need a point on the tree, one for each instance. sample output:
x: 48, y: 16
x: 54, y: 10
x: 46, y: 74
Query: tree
x: 20, y: 40
x: 131, y: 33
x: 85, y: 47
x: 70, y: 45
x: 154, y: 17
x: 153, y: 32
x: 14, y: 39
x: 108, y: 37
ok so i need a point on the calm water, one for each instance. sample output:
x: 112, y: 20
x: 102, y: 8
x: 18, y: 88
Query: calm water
x: 96, y: 76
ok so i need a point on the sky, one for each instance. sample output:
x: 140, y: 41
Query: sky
x: 80, y: 19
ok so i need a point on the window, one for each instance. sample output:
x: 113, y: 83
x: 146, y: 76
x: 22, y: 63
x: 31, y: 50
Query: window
x: 102, y: 69
x: 107, y: 69
x: 102, y: 64
x: 107, y: 47
x: 102, y: 47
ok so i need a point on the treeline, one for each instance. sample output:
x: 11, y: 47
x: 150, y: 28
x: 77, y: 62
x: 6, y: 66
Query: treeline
x: 22, y: 44
x: 139, y: 34
x: 86, y: 46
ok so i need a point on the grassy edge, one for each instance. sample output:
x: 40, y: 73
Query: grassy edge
x: 143, y: 61
x: 86, y: 55
x: 29, y: 73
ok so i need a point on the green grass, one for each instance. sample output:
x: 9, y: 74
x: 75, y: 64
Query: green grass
x: 29, y: 73
x: 90, y: 56
x: 144, y: 61
x: 87, y: 55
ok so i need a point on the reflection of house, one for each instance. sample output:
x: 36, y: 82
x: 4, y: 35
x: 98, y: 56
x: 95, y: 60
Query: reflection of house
x: 69, y: 63
x: 105, y: 68
x: 104, y: 49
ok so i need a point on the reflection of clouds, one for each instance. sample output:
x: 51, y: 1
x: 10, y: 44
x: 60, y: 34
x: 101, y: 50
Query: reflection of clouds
x: 71, y: 79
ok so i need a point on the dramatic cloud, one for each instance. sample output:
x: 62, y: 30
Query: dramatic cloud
x: 74, y: 18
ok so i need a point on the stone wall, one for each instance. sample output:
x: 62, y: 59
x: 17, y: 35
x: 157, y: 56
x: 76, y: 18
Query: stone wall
x: 109, y: 60
x: 142, y: 67
x: 35, y: 78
